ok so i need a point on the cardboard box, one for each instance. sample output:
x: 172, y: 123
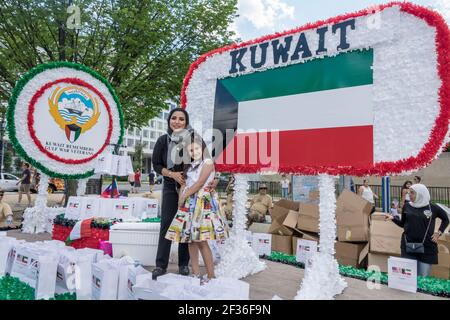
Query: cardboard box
x: 282, y: 243
x: 305, y: 236
x: 279, y: 213
x: 379, y: 260
x: 259, y: 227
x: 352, y: 215
x: 351, y: 254
x: 308, y: 219
x: 385, y: 236
x: 314, y: 195
x: 442, y: 269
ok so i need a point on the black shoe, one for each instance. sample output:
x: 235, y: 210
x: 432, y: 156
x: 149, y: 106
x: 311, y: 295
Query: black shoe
x: 184, y: 270
x: 158, y: 272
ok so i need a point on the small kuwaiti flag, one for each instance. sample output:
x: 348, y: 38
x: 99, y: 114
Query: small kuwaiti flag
x: 112, y: 191
x: 321, y: 109
x: 82, y: 229
x: 72, y: 132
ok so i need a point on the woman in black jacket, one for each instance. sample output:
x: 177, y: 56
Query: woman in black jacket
x: 168, y: 161
x: 418, y: 222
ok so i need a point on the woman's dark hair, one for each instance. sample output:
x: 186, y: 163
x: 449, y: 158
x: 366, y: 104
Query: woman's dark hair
x: 197, y: 139
x: 406, y: 182
x: 186, y: 115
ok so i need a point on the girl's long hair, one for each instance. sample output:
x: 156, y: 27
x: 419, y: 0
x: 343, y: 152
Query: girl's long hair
x: 197, y: 139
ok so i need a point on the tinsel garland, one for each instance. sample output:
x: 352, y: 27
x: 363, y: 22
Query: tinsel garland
x: 238, y: 260
x: 152, y: 220
x: 12, y: 288
x: 428, y: 285
x: 98, y: 223
x: 35, y: 218
x: 13, y: 101
x: 323, y: 280
x: 433, y: 143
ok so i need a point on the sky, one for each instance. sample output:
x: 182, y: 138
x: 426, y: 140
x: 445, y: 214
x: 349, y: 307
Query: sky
x: 261, y: 17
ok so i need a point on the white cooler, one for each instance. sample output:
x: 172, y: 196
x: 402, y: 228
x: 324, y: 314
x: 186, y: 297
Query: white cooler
x: 137, y: 240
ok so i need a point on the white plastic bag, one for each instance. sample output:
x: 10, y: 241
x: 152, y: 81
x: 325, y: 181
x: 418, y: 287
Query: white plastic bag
x: 105, y: 280
x: 131, y: 278
x: 7, y: 246
x: 36, y: 267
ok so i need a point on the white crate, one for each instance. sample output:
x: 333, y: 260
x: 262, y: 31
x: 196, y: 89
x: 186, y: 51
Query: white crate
x: 137, y: 240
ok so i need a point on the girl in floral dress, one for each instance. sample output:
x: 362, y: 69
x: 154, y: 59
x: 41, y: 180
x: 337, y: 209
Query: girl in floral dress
x: 199, y: 217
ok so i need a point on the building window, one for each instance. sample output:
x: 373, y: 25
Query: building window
x: 138, y: 132
x: 166, y: 116
x: 145, y: 144
x: 152, y: 144
x: 165, y: 126
x: 145, y: 133
x: 130, y: 143
x: 152, y: 124
x: 153, y: 135
x: 160, y: 126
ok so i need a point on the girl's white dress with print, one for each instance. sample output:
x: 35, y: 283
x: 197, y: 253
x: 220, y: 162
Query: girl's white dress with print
x: 200, y: 218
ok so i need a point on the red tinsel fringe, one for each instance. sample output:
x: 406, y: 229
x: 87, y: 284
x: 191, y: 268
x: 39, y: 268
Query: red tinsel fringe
x: 61, y: 233
x: 438, y: 133
x: 31, y: 107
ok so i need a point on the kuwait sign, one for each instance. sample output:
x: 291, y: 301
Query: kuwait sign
x: 363, y: 93
x: 61, y: 117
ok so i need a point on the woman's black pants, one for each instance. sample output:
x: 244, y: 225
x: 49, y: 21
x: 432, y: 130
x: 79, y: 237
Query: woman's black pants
x: 169, y: 209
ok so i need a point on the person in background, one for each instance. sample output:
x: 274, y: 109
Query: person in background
x: 284, y: 187
x: 417, y: 179
x: 151, y: 180
x: 405, y: 192
x: 366, y: 192
x: 25, y: 183
x: 137, y: 180
x: 5, y: 210
x: 418, y: 222
x: 260, y: 205
x: 131, y: 182
x: 394, y: 208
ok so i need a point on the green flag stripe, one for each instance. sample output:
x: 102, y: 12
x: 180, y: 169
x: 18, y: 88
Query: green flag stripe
x: 344, y: 70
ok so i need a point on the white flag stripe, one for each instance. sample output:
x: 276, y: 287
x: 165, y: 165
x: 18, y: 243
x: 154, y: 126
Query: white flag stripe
x: 346, y: 107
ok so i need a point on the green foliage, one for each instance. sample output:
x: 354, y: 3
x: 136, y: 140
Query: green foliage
x: 144, y: 48
x: 7, y: 160
x: 138, y: 156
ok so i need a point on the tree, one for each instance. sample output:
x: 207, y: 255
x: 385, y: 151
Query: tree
x: 138, y: 158
x: 18, y: 164
x: 143, y: 48
x: 7, y: 158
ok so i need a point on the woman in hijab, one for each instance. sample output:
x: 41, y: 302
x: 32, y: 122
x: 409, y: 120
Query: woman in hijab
x: 168, y: 161
x: 419, y: 241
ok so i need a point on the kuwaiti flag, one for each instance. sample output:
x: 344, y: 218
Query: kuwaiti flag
x: 321, y: 109
x: 82, y: 229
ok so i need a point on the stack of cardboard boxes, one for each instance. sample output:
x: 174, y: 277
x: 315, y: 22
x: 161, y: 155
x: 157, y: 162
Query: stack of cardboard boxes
x: 291, y: 221
x: 352, y: 220
x: 363, y: 239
